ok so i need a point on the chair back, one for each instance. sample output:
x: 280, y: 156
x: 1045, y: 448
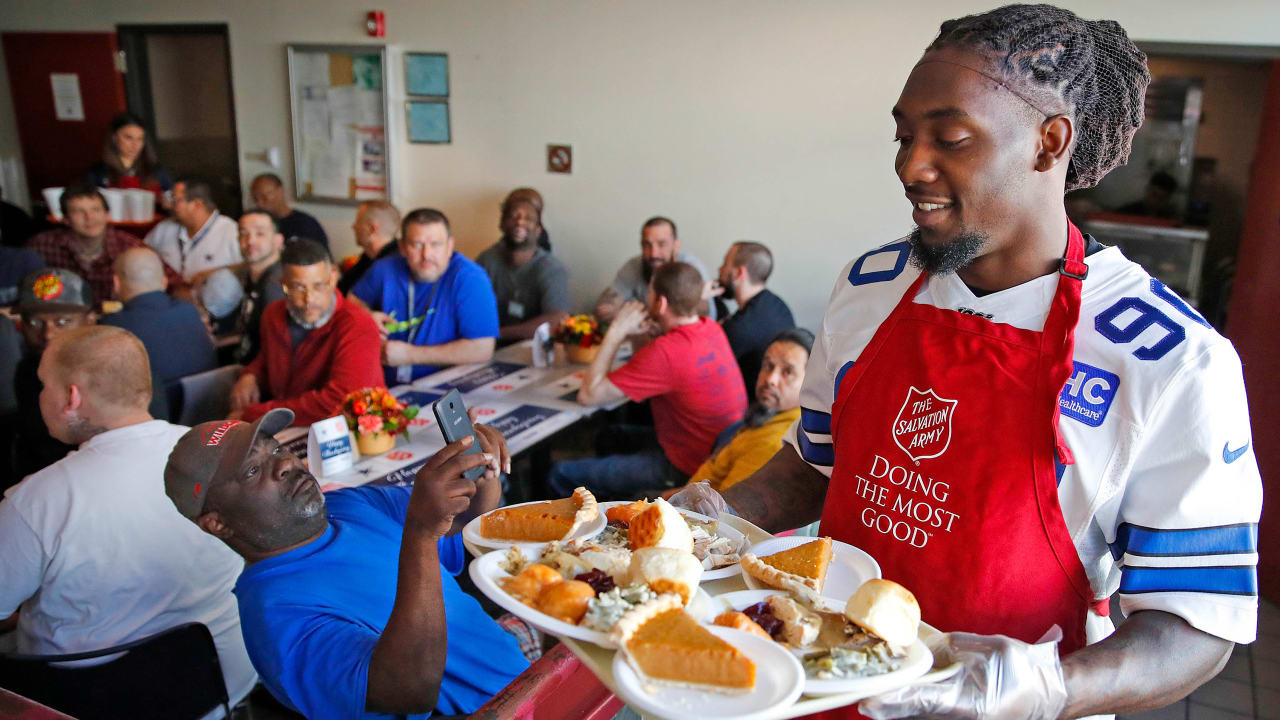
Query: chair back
x: 173, y: 675
x: 206, y: 396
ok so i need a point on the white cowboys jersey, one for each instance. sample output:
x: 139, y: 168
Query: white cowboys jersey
x: 1164, y: 497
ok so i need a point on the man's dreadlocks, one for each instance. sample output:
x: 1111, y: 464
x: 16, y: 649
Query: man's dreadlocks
x: 1061, y: 63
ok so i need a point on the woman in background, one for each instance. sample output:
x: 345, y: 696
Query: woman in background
x: 128, y: 160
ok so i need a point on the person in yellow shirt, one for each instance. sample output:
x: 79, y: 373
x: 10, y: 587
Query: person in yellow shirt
x: 745, y: 446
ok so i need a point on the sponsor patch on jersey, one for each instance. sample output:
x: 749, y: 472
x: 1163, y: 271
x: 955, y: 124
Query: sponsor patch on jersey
x: 1088, y: 394
x: 923, y: 426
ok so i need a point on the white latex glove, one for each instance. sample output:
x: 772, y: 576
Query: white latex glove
x: 1000, y: 679
x: 701, y: 498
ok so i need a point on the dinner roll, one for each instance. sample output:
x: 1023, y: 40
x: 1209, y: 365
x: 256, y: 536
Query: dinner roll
x: 887, y: 609
x: 667, y: 571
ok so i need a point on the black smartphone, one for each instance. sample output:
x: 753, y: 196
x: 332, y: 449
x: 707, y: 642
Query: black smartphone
x: 455, y: 424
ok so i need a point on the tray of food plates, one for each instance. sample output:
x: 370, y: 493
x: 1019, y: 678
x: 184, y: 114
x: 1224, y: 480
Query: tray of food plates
x: 582, y: 522
x: 797, y: 625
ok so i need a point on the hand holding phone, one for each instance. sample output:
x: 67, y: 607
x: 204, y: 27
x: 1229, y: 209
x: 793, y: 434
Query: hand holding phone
x: 455, y: 424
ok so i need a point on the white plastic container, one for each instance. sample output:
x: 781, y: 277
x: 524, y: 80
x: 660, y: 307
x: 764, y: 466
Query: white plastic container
x: 116, y: 204
x: 53, y: 198
x: 141, y: 205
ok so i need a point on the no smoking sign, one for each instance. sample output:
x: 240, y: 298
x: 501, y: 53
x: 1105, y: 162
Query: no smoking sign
x: 560, y: 159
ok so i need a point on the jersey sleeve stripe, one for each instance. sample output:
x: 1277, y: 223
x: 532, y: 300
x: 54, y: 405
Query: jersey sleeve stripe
x: 816, y: 453
x: 1229, y: 580
x: 1218, y: 540
x: 1148, y: 561
x: 835, y: 391
x: 815, y: 422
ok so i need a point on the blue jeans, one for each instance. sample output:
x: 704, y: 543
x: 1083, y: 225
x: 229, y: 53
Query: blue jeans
x: 616, y: 477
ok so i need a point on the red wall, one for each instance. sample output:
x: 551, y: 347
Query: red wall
x: 1252, y: 325
x: 57, y: 152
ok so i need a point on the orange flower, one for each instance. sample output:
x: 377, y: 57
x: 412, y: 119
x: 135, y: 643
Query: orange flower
x: 359, y: 407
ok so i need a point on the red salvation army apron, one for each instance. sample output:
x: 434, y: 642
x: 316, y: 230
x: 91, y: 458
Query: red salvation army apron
x: 945, y: 432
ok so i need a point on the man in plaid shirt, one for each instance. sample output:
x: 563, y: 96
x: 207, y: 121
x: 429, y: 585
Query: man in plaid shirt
x: 88, y: 246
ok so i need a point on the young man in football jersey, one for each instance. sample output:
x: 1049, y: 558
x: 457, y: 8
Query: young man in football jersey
x: 1015, y: 421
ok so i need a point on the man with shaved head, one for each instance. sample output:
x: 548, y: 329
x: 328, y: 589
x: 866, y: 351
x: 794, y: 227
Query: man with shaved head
x: 377, y: 223
x: 94, y: 553
x: 170, y: 329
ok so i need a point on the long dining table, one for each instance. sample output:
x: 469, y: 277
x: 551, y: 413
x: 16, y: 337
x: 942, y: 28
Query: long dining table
x: 527, y: 404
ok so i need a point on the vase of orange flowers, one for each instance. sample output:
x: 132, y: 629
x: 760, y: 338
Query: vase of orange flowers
x: 581, y: 336
x: 375, y: 417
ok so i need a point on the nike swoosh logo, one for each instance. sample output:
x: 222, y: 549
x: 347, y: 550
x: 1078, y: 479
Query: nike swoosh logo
x: 1229, y: 456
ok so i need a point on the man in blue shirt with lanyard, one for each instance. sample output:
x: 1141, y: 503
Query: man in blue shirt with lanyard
x: 433, y: 306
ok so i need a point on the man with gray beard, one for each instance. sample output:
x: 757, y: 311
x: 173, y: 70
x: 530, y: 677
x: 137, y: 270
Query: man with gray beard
x: 315, y: 346
x: 349, y: 605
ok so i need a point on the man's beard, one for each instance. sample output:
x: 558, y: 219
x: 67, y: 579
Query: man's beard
x: 757, y: 415
x: 949, y: 257
x: 301, y: 322
x: 729, y: 289
x: 647, y: 270
x: 295, y: 526
x: 529, y: 241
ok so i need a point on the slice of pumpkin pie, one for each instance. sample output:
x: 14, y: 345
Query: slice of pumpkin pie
x: 665, y: 645
x: 804, y: 564
x: 541, y: 521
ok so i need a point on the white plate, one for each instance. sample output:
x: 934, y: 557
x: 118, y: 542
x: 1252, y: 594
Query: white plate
x: 471, y: 532
x: 723, y: 528
x: 917, y: 669
x: 918, y: 662
x: 849, y: 568
x: 486, y: 571
x: 779, y: 679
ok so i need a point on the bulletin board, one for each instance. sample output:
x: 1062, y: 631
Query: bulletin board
x: 338, y: 102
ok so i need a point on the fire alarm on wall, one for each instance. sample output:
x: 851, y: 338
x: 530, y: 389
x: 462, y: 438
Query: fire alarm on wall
x: 375, y: 23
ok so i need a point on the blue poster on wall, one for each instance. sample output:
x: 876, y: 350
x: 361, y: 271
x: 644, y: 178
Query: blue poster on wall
x: 426, y: 74
x: 428, y: 121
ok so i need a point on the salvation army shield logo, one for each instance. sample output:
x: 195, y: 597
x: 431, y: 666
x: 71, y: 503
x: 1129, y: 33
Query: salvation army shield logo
x: 923, y: 426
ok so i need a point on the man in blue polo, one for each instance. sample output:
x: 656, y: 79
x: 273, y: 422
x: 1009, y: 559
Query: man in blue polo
x: 433, y: 306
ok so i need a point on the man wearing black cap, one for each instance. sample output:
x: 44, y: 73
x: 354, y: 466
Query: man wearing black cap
x: 51, y: 301
x: 344, y: 609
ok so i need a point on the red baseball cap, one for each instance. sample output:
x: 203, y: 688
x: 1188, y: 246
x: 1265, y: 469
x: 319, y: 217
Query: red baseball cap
x: 212, y: 452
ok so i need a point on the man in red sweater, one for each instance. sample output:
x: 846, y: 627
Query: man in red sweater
x: 689, y: 372
x: 316, y: 348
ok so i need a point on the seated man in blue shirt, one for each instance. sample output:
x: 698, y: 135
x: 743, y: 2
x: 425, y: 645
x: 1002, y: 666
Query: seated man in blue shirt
x: 344, y: 610
x: 170, y: 329
x: 433, y: 306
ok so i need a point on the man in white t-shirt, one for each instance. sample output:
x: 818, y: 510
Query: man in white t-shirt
x: 94, y: 554
x: 659, y: 245
x: 198, y: 239
x: 1015, y: 421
